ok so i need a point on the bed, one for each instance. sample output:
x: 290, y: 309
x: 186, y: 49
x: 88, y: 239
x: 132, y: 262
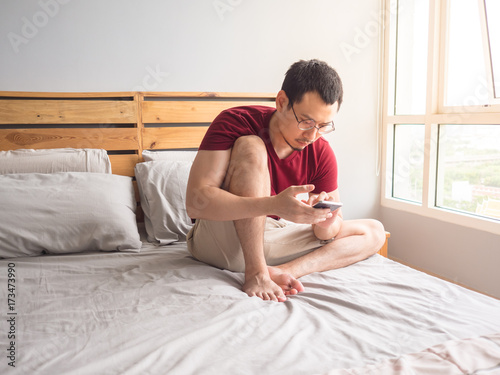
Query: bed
x: 96, y: 278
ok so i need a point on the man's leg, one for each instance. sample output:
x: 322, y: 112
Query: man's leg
x: 357, y: 240
x: 248, y: 176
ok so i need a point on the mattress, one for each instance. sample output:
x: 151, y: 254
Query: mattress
x: 162, y: 312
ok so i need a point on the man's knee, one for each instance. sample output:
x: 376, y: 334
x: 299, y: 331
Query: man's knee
x: 248, y: 173
x: 376, y: 233
x: 250, y: 150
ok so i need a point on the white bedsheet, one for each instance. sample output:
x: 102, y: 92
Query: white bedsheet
x: 162, y: 312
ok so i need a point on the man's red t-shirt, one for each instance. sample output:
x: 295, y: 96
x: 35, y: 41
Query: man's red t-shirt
x: 315, y: 164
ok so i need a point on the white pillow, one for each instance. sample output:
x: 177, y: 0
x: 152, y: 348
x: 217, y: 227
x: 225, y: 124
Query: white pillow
x: 54, y: 160
x: 169, y: 155
x: 66, y: 213
x: 162, y: 187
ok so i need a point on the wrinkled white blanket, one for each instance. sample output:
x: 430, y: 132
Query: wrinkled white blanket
x: 479, y: 355
x: 162, y: 312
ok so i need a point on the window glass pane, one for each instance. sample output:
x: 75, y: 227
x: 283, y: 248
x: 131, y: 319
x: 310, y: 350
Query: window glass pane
x: 493, y: 23
x: 466, y: 82
x: 469, y: 169
x: 408, y: 164
x: 411, y: 56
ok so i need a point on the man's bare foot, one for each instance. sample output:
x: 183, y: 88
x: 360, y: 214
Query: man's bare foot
x: 262, y: 286
x: 289, y: 284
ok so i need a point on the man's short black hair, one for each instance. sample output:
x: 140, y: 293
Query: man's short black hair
x: 312, y: 76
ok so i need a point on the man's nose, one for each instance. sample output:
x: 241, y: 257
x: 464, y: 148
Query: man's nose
x: 311, y: 134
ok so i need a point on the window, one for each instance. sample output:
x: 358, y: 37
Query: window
x: 441, y: 110
x: 410, y: 57
x: 408, y: 166
x: 468, y: 174
x: 466, y: 79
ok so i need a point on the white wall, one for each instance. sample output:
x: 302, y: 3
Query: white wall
x: 204, y: 45
x: 464, y: 255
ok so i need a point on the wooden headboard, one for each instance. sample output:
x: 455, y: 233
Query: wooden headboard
x: 123, y: 123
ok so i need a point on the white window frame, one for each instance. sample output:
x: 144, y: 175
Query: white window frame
x: 487, y: 49
x: 436, y: 113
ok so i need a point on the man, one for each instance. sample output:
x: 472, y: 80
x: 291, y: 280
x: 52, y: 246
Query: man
x: 252, y: 165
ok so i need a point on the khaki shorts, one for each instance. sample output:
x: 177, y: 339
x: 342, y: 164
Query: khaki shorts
x: 216, y: 243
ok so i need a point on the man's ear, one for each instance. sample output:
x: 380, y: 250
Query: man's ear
x: 282, y: 101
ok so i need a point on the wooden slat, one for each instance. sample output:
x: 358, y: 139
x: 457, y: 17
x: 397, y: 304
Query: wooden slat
x: 138, y: 100
x: 106, y: 138
x: 67, y: 112
x: 44, y: 95
x: 383, y: 249
x: 124, y: 164
x: 189, y: 111
x: 209, y: 94
x: 173, y: 137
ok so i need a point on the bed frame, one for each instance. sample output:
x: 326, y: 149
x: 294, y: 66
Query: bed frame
x: 123, y: 123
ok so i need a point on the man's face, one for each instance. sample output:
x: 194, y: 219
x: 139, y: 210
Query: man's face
x: 311, y: 107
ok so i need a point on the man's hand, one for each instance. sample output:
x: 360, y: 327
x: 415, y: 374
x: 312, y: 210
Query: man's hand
x: 313, y: 199
x: 328, y: 222
x: 330, y: 227
x: 287, y: 206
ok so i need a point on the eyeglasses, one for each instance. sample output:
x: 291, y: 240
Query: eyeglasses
x: 309, y: 124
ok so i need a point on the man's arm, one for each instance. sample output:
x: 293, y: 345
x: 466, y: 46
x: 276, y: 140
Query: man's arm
x: 205, y: 198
